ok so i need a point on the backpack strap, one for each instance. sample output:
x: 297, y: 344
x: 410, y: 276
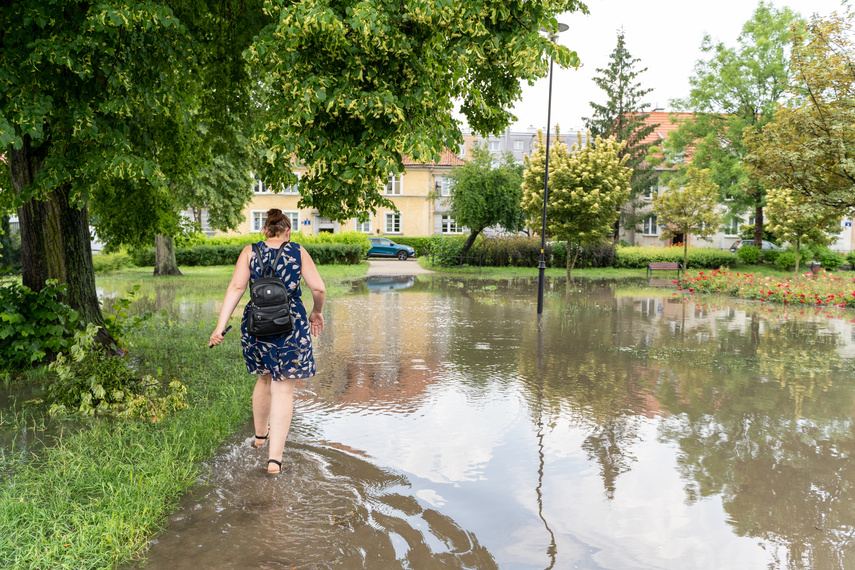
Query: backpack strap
x: 269, y: 270
x: 279, y: 253
x: 257, y: 251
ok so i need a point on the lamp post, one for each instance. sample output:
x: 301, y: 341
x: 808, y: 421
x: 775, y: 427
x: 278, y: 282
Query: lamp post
x: 542, y: 265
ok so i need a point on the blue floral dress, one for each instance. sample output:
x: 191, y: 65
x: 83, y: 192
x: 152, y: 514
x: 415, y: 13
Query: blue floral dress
x: 288, y: 356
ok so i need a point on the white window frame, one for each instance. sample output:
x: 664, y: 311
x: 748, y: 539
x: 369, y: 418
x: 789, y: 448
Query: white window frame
x: 294, y: 216
x: 444, y: 184
x: 395, y: 185
x: 257, y: 219
x: 733, y: 229
x: 449, y: 226
x: 362, y: 227
x: 259, y: 187
x: 495, y: 146
x: 650, y: 227
x: 393, y: 223
x: 462, y: 153
x: 649, y: 193
x: 518, y: 145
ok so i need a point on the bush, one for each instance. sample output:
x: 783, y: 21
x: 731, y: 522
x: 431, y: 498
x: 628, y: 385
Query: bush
x: 639, y: 257
x: 92, y: 382
x: 10, y: 249
x: 103, y: 262
x: 830, y: 260
x: 446, y: 249
x: 34, y: 326
x: 600, y: 255
x: 786, y: 260
x: 748, y: 254
x: 335, y: 253
x: 850, y: 259
x: 770, y: 256
x: 516, y: 251
x: 420, y: 244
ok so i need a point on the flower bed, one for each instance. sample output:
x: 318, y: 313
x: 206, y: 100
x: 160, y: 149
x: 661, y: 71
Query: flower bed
x: 828, y: 289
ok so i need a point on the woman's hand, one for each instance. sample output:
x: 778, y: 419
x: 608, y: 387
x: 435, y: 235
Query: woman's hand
x: 316, y: 323
x: 216, y: 338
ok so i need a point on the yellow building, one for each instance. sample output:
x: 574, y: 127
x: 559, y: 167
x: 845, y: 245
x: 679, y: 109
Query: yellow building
x: 416, y: 214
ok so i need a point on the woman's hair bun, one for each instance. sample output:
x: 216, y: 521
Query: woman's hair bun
x: 277, y: 222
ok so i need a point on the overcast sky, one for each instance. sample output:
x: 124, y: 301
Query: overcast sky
x: 664, y: 34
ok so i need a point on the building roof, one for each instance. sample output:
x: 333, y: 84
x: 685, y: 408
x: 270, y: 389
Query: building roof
x: 668, y: 122
x: 447, y: 158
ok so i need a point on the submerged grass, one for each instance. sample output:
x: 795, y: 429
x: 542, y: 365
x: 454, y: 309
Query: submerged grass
x: 92, y: 497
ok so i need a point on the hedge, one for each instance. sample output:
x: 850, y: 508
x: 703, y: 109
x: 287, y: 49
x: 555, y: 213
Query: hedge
x: 639, y: 257
x: 420, y: 244
x: 205, y: 255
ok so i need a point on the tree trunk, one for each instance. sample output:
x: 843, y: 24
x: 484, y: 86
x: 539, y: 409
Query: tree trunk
x: 55, y: 240
x: 685, y: 253
x: 798, y: 254
x: 571, y: 260
x: 470, y: 241
x: 758, y: 226
x: 164, y: 256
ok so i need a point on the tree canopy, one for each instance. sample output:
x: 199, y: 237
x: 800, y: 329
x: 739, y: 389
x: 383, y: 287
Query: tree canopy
x: 483, y: 196
x: 586, y: 186
x: 810, y: 148
x: 691, y: 209
x: 622, y: 116
x: 733, y: 89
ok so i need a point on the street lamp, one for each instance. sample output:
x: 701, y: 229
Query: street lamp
x: 553, y: 36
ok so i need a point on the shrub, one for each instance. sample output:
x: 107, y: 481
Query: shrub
x: 207, y: 255
x: 516, y: 251
x: 92, y: 382
x: 599, y: 255
x: 830, y: 260
x: 10, y: 250
x: 770, y: 255
x: 639, y: 257
x: 103, y: 262
x: 748, y: 254
x: 446, y: 249
x: 420, y: 244
x: 786, y: 260
x: 34, y: 326
x: 850, y: 259
x: 336, y: 253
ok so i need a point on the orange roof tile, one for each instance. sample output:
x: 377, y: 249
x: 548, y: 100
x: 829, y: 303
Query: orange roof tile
x: 447, y: 158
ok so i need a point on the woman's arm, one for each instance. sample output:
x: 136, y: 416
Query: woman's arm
x: 234, y: 292
x: 319, y: 291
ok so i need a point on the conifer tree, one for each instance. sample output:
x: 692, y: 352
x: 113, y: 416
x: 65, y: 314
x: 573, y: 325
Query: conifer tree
x: 622, y: 117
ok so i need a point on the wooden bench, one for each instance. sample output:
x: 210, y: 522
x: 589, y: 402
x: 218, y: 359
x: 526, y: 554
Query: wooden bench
x: 664, y: 266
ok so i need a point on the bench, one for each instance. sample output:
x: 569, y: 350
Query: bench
x: 664, y: 266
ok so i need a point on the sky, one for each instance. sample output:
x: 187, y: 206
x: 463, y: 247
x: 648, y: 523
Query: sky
x: 665, y: 35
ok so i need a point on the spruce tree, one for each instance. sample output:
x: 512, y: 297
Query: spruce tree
x: 622, y: 117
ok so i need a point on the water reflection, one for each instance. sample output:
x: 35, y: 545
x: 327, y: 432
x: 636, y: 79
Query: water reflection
x: 628, y: 428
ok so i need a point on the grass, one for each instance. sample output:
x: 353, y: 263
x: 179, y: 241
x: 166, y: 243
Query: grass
x: 92, y: 497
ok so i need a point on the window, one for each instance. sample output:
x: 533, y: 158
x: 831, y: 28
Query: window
x: 732, y: 229
x: 363, y: 227
x: 650, y: 227
x: 395, y: 185
x: 649, y: 193
x: 449, y: 226
x: 443, y: 185
x: 258, y: 186
x: 462, y: 153
x: 495, y: 163
x: 293, y: 188
x: 494, y: 146
x: 518, y: 145
x: 393, y: 223
x: 294, y: 216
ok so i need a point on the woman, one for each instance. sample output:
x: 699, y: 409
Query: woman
x: 278, y: 361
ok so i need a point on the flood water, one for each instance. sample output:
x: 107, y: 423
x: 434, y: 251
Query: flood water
x: 629, y: 428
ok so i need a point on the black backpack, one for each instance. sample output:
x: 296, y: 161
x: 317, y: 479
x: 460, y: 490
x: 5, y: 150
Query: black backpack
x: 270, y: 302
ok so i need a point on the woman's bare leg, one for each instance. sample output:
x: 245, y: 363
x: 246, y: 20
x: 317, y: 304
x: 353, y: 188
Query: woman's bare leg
x: 281, y: 410
x: 261, y: 405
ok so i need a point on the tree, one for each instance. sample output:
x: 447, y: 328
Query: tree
x: 796, y: 219
x: 623, y: 117
x: 810, y: 148
x: 733, y: 90
x: 104, y: 95
x: 586, y: 186
x: 691, y: 209
x: 483, y: 196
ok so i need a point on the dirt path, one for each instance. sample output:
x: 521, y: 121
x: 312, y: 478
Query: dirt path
x: 396, y: 267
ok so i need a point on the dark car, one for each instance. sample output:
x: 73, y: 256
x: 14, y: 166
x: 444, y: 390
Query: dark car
x: 382, y: 247
x: 766, y: 245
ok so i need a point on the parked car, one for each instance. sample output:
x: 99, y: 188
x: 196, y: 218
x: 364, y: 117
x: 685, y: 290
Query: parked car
x: 383, y: 247
x: 766, y: 245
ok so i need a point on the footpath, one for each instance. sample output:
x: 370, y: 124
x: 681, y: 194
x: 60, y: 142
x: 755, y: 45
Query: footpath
x: 396, y: 267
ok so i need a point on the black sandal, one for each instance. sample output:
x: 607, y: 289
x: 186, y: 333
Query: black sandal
x: 279, y: 463
x: 262, y: 442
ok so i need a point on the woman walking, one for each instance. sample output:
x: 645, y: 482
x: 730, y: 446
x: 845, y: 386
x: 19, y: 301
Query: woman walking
x: 278, y: 361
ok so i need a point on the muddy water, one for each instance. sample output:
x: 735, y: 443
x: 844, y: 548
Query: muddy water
x: 630, y: 428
